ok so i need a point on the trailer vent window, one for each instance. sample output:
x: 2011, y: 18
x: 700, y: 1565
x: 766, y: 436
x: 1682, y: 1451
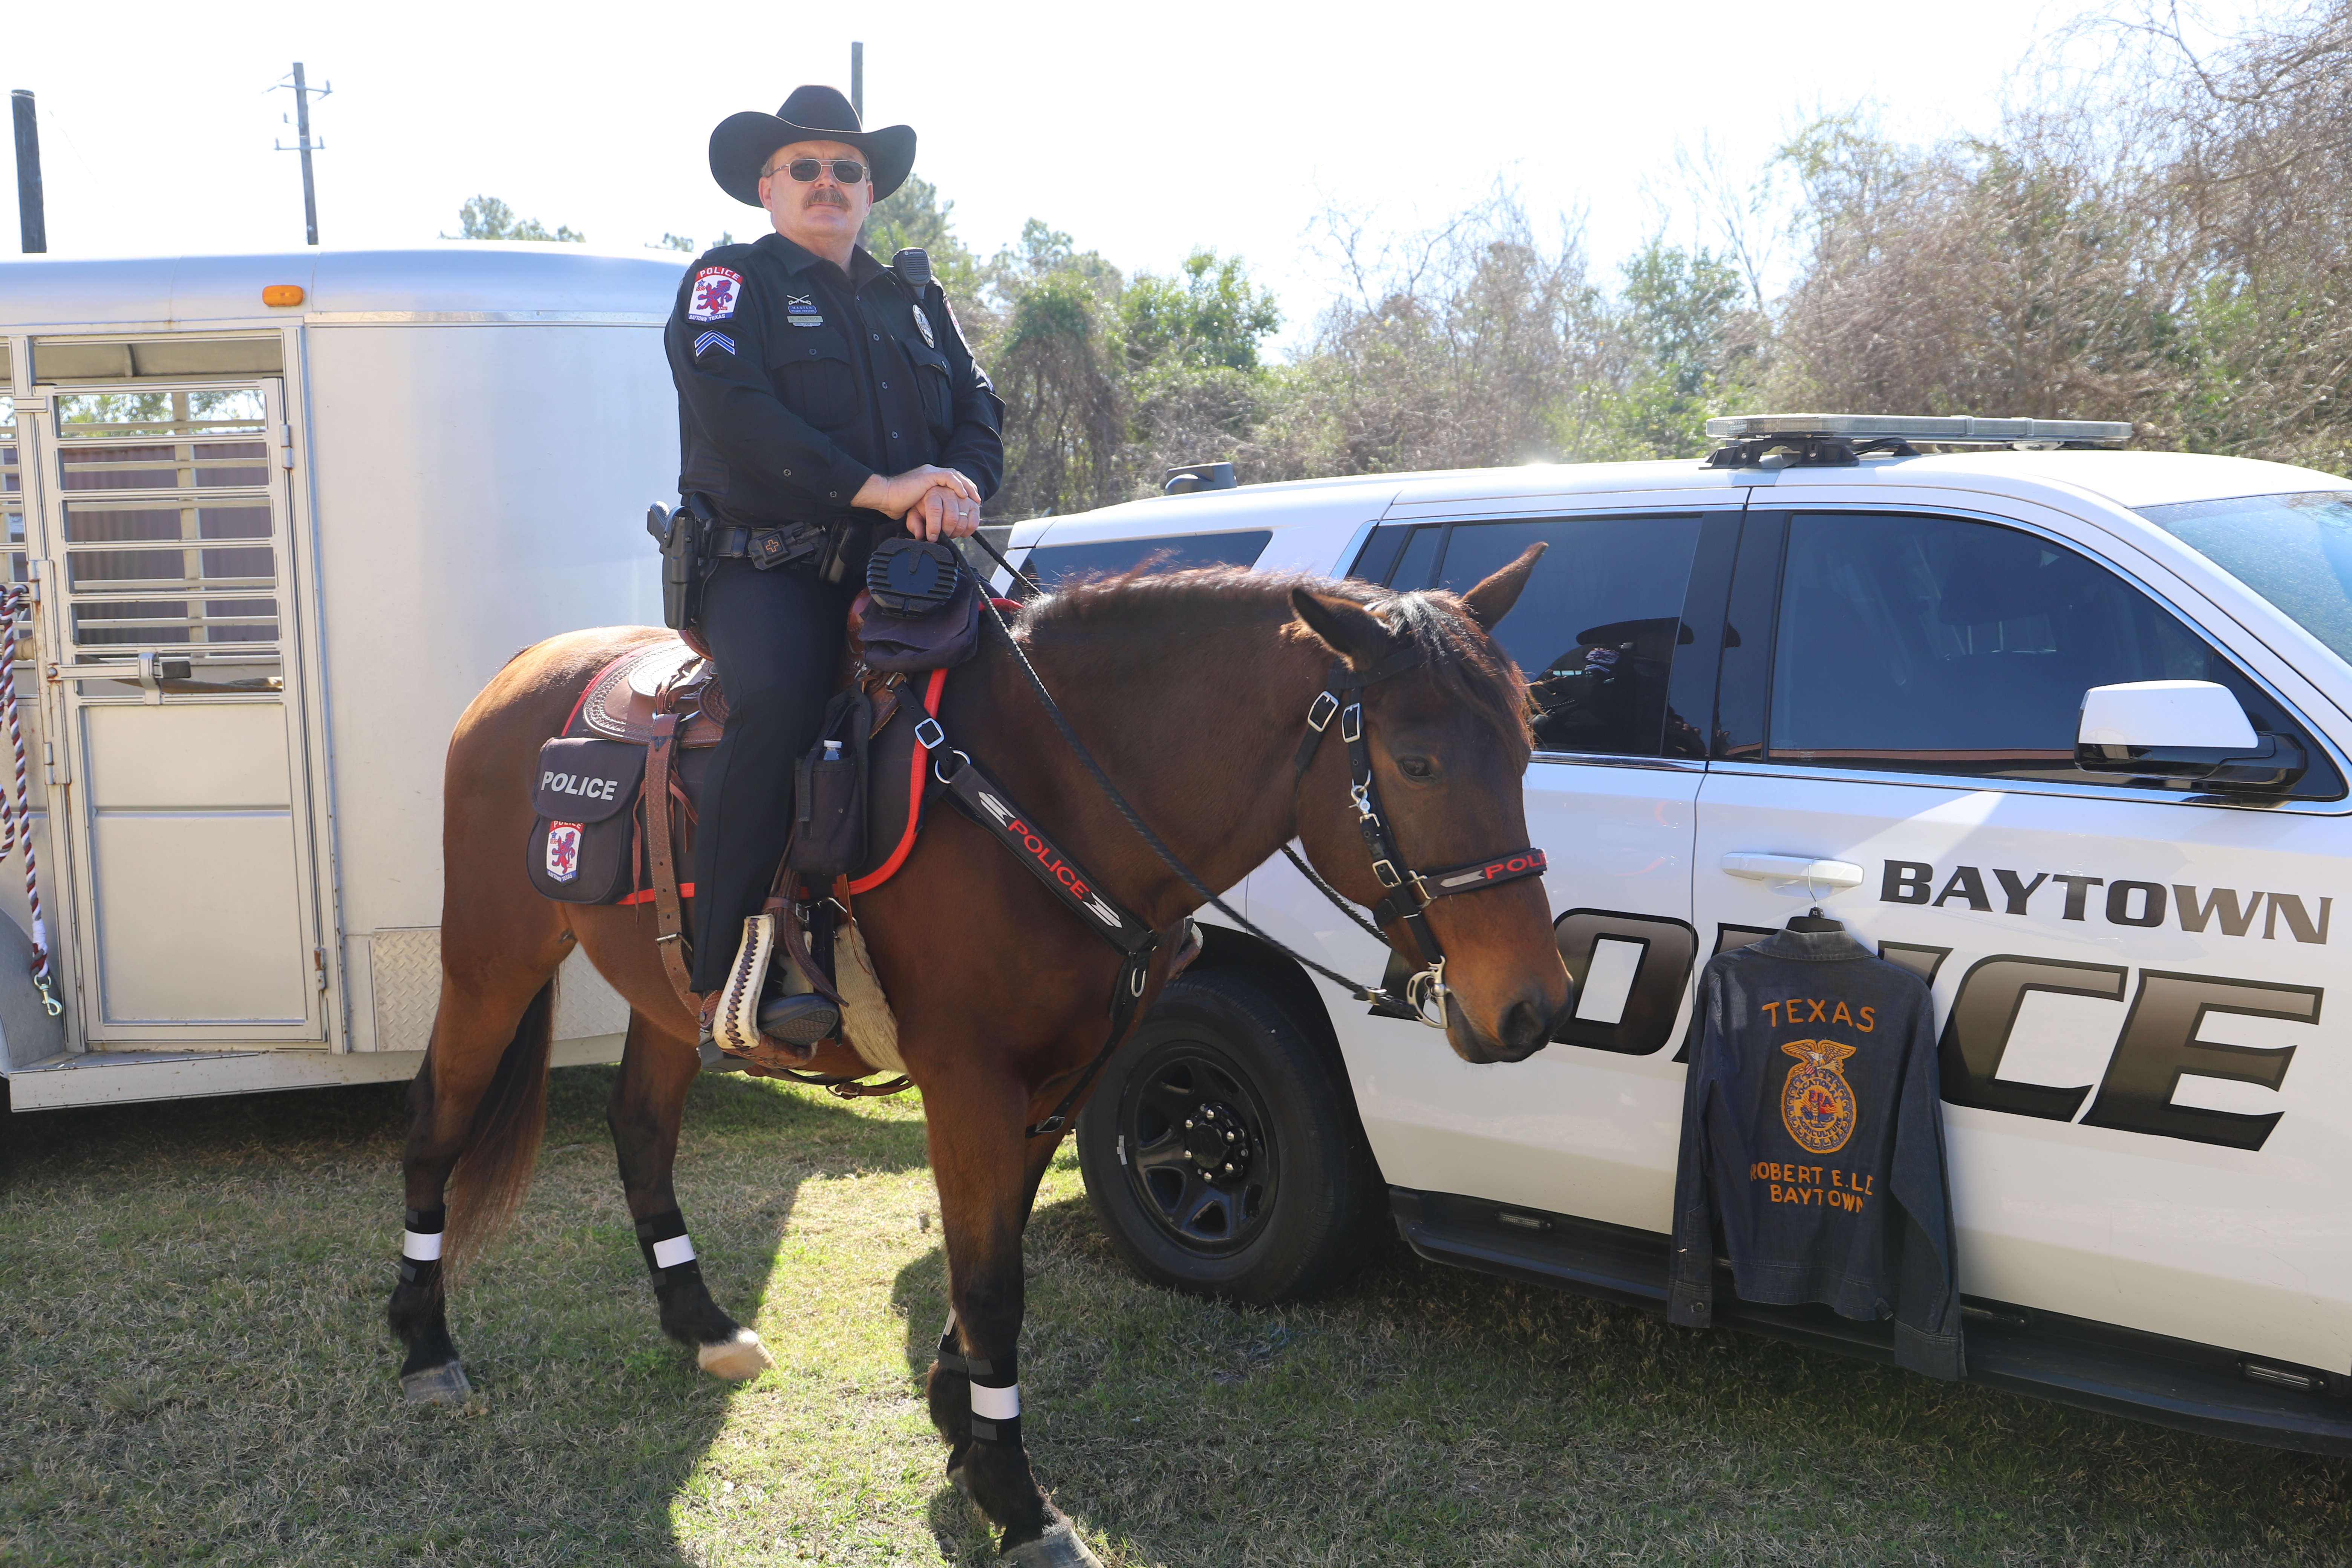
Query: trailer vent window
x: 170, y: 533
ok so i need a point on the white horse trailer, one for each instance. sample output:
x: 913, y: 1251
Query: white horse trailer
x: 284, y: 516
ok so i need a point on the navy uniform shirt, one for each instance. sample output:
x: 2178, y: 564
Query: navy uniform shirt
x: 796, y: 381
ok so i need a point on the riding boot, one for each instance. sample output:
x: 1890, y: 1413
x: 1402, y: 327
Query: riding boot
x: 800, y: 1021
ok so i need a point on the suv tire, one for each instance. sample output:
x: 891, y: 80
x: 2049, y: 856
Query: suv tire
x: 1223, y: 1150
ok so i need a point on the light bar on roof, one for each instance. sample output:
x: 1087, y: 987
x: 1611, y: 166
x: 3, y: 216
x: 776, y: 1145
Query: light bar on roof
x: 1963, y: 430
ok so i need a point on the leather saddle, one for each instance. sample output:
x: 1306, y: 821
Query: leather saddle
x: 623, y: 699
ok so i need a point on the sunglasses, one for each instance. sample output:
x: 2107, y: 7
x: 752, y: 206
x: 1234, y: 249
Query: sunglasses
x: 848, y: 171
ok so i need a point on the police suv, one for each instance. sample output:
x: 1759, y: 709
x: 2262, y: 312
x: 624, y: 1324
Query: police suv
x: 2063, y: 728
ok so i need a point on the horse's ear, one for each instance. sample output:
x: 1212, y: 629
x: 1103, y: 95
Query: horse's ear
x: 1344, y: 626
x: 1490, y: 601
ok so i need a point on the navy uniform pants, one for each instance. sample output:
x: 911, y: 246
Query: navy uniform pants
x: 777, y: 636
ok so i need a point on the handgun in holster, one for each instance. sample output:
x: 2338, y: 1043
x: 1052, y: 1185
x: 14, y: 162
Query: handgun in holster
x: 680, y: 535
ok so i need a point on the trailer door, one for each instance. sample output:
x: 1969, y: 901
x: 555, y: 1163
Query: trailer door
x: 170, y: 606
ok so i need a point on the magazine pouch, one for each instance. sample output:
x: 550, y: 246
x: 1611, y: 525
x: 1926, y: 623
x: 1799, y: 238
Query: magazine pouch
x: 584, y: 796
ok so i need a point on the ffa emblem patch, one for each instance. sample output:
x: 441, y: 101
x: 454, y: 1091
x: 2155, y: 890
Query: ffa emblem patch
x: 801, y: 312
x: 1816, y: 1103
x: 712, y: 297
x: 923, y: 325
x: 562, y: 851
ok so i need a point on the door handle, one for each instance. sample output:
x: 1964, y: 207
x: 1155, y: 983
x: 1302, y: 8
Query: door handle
x: 1792, y: 868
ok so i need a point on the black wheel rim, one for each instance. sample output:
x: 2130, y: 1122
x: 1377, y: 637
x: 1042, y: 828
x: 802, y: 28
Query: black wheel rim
x: 1197, y: 1145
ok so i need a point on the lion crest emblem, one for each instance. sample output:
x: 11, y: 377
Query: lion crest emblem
x: 1817, y: 1103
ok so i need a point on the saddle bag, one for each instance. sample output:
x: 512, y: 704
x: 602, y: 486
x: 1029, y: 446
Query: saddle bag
x: 829, y: 792
x: 585, y: 798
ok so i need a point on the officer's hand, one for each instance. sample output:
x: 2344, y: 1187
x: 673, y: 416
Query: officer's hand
x: 900, y: 494
x: 943, y: 514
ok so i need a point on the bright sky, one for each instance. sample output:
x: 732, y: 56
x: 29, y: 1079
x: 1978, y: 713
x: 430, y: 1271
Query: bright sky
x: 1142, y: 132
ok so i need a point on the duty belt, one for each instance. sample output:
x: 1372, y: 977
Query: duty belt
x: 786, y: 545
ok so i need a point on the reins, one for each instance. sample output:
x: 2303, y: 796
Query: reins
x: 988, y: 803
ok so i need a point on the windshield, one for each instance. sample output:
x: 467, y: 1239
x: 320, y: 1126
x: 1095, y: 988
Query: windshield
x: 2294, y: 550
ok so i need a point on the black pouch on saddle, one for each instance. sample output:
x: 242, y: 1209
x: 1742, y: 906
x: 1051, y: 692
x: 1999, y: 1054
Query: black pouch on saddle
x: 579, y: 846
x: 829, y: 792
x: 926, y: 608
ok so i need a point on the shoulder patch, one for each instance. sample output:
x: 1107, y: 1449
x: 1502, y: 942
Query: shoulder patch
x: 711, y: 296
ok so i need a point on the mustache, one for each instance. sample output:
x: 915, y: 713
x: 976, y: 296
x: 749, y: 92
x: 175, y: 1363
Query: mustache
x: 824, y: 198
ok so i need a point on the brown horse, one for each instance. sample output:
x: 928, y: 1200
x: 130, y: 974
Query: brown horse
x: 1192, y: 690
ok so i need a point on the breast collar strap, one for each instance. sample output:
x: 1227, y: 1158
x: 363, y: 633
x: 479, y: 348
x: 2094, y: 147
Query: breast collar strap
x: 1410, y: 893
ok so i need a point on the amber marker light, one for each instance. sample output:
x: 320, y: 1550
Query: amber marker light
x: 282, y: 294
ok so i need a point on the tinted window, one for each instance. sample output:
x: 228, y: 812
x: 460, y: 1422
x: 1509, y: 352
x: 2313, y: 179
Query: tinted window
x: 1937, y: 645
x: 1049, y: 565
x: 1596, y: 629
x: 2294, y: 550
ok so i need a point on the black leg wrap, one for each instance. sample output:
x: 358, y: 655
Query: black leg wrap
x: 1002, y: 1372
x: 424, y: 1273
x: 653, y: 1231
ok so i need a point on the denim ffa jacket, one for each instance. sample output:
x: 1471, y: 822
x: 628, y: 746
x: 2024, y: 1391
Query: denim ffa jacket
x: 797, y: 381
x: 1813, y: 1144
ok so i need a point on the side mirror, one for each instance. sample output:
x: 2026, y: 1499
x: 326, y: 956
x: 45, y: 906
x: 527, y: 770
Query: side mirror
x: 2181, y: 730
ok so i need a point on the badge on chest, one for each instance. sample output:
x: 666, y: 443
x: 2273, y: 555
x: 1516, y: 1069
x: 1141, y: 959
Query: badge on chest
x: 800, y: 310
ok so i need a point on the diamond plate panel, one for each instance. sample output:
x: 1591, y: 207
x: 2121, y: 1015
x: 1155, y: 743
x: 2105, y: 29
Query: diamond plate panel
x: 406, y: 970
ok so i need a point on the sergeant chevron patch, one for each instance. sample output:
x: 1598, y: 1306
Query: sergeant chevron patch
x: 709, y: 341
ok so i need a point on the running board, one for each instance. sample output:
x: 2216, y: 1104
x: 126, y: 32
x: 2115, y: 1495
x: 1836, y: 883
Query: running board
x: 2092, y: 1365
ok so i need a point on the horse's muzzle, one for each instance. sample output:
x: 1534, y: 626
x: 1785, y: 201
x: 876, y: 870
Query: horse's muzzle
x: 1524, y: 1029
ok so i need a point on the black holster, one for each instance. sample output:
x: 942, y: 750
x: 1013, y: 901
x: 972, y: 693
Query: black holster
x: 680, y: 534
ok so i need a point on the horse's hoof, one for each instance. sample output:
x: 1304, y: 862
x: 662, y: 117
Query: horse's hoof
x: 737, y: 1360
x: 443, y: 1384
x: 962, y: 1480
x: 1057, y: 1548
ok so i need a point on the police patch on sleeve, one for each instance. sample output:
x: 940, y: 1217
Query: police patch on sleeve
x: 713, y: 295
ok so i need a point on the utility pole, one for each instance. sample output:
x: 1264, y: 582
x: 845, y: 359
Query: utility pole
x: 32, y: 219
x: 857, y: 80
x: 303, y: 93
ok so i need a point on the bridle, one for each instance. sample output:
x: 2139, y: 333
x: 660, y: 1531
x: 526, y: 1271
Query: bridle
x: 1409, y: 892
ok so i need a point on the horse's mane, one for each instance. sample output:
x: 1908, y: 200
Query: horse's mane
x: 1465, y: 662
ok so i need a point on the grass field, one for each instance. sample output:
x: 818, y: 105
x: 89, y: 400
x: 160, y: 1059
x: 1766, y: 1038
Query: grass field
x: 193, y: 1368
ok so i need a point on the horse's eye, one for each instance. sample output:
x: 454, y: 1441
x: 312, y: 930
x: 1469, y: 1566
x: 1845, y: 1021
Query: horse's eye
x: 1417, y: 767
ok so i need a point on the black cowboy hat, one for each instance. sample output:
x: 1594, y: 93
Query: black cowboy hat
x: 742, y: 141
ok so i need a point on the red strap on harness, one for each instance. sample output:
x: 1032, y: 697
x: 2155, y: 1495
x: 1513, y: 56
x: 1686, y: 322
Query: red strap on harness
x: 920, y: 760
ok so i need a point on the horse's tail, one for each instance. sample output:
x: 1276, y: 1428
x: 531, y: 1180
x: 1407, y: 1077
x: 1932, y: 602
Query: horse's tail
x: 494, y: 1173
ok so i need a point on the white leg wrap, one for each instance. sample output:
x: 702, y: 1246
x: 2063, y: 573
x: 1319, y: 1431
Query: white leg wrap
x: 671, y: 1253
x: 996, y: 1404
x: 418, y: 1247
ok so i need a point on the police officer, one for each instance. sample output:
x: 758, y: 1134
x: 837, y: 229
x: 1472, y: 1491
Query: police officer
x: 823, y: 399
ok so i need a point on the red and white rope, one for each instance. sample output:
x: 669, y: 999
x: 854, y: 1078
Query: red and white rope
x: 17, y: 806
